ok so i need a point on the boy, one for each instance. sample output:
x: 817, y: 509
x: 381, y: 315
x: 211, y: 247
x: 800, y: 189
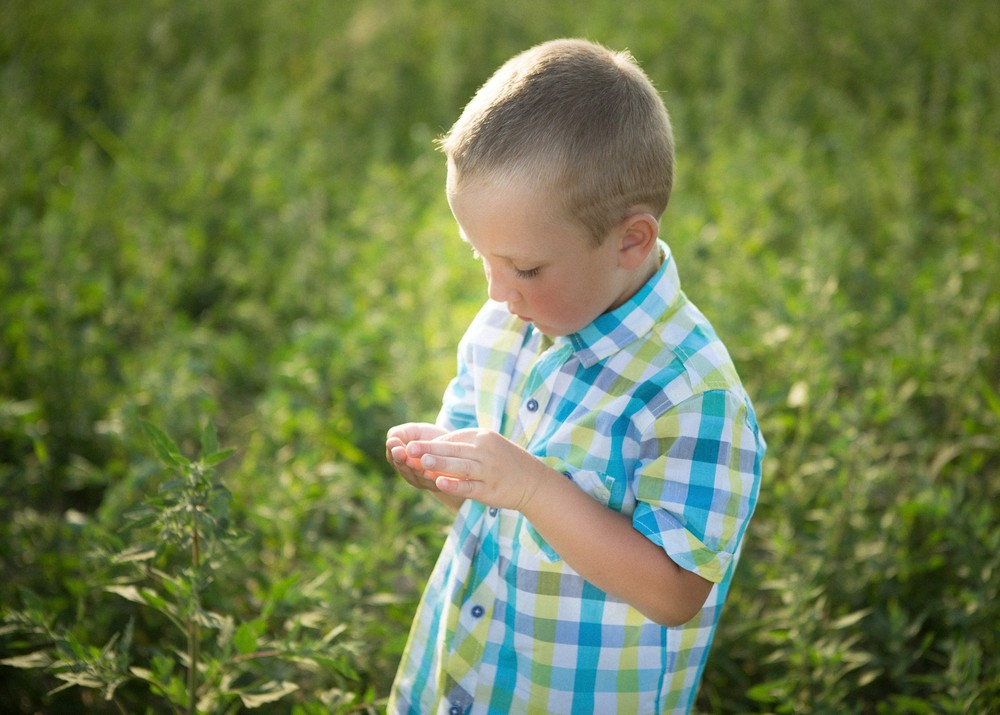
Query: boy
x: 597, y: 445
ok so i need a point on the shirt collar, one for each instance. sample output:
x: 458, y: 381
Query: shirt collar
x: 630, y: 321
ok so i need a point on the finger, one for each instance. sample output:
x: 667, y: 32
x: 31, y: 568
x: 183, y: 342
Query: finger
x: 438, y: 448
x: 414, y: 431
x: 415, y: 477
x: 467, y: 435
x: 458, y: 487
x: 405, y: 432
x: 395, y: 431
x: 451, y: 466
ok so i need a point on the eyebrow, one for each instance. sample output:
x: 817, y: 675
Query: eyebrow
x: 512, y: 258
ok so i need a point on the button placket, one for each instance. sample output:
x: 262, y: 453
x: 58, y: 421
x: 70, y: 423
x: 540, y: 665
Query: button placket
x: 538, y: 389
x: 531, y: 417
x: 471, y: 618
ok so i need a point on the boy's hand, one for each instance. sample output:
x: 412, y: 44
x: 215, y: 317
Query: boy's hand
x: 409, y: 467
x: 481, y: 465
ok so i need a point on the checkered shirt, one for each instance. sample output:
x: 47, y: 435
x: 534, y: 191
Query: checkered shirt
x: 644, y: 411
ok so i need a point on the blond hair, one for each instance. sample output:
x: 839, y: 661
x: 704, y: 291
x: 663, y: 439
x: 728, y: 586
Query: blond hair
x: 582, y: 120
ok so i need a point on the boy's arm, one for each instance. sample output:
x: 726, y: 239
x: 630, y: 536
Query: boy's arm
x: 599, y: 543
x: 604, y: 548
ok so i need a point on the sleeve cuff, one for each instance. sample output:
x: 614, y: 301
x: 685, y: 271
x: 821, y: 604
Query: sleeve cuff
x: 683, y: 547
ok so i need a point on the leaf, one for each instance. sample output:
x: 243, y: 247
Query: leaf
x: 38, y: 659
x: 135, y: 553
x: 165, y: 447
x: 171, y: 485
x: 245, y: 639
x: 334, y: 632
x: 142, y: 673
x: 771, y: 691
x: 850, y: 619
x: 84, y: 680
x: 209, y: 438
x: 110, y: 688
x: 32, y: 601
x: 155, y: 600
x: 388, y: 599
x: 215, y: 457
x: 268, y: 693
x: 129, y: 593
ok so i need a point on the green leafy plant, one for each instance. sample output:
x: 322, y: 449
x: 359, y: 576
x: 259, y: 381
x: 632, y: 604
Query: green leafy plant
x: 167, y: 563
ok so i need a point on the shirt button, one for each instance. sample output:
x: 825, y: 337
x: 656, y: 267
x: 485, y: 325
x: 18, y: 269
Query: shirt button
x: 532, y: 405
x: 493, y: 511
x: 478, y: 611
x: 455, y: 710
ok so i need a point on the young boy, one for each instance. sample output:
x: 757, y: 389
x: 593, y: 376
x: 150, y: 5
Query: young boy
x: 596, y: 443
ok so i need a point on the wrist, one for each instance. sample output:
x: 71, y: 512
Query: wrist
x: 542, y: 491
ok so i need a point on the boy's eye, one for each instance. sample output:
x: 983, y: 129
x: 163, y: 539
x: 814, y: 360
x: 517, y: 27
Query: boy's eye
x: 530, y: 273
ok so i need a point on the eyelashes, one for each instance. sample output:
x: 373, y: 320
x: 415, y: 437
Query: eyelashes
x: 523, y: 274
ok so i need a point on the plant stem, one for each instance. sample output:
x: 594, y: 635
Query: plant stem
x: 193, y: 638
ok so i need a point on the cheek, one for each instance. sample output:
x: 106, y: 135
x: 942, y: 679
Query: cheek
x: 578, y: 300
x: 553, y: 300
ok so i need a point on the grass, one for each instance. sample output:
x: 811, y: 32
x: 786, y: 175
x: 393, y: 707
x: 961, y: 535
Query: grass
x: 233, y: 213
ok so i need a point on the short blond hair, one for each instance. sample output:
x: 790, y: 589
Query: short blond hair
x: 582, y: 120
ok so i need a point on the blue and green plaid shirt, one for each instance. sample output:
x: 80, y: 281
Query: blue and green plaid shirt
x: 644, y: 411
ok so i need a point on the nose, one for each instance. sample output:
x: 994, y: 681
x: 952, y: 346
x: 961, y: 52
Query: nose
x: 499, y: 287
x: 493, y: 288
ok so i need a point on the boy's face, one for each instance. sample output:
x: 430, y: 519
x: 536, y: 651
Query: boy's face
x: 541, y: 263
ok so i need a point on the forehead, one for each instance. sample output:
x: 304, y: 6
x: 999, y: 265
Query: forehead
x: 512, y: 219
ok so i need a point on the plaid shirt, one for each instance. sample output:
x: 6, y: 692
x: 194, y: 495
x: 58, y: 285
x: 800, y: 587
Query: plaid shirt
x: 644, y: 411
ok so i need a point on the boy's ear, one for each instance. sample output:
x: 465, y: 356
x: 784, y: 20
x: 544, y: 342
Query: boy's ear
x: 639, y: 232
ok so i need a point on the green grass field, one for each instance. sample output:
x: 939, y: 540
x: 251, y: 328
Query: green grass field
x: 231, y: 214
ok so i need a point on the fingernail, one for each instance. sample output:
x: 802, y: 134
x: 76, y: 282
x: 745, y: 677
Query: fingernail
x: 428, y: 460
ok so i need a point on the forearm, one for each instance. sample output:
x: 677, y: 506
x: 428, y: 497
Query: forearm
x: 604, y: 548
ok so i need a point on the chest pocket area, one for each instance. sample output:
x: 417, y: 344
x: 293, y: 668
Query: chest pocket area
x: 597, y: 486
x: 600, y: 487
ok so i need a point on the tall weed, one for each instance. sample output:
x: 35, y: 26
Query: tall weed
x: 197, y: 651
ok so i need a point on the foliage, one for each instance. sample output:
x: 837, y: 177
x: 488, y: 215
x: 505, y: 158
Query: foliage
x: 231, y: 212
x: 171, y: 561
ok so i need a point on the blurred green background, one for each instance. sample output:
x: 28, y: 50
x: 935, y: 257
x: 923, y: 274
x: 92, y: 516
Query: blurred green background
x: 232, y: 212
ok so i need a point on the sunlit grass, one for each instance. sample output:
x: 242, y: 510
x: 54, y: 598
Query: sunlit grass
x: 235, y: 212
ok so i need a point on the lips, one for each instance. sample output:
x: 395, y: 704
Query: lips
x: 518, y: 315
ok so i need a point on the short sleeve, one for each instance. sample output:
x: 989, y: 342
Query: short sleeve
x: 458, y: 404
x: 697, y: 484
x: 458, y: 407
